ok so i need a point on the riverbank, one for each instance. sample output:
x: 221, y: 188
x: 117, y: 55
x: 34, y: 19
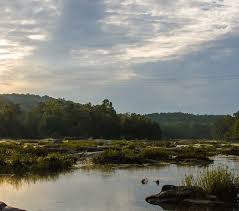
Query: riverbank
x: 43, y: 156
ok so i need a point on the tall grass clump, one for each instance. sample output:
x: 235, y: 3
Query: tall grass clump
x: 192, y: 153
x: 220, y: 182
x: 114, y: 156
x: 155, y: 153
x: 131, y: 155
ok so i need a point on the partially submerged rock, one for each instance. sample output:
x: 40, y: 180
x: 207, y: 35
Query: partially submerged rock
x: 183, y: 196
x: 4, y: 207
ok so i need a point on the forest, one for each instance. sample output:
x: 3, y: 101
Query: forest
x: 179, y: 125
x: 32, y: 116
x: 189, y: 126
x: 59, y: 118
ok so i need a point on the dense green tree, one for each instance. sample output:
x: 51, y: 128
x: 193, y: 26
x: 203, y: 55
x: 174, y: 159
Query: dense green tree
x: 61, y: 118
x: 10, y: 119
x: 228, y: 127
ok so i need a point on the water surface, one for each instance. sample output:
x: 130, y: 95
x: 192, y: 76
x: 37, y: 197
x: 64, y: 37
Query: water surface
x: 101, y: 190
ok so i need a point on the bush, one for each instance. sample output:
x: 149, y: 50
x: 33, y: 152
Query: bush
x: 113, y: 156
x: 131, y: 155
x: 54, y: 162
x: 188, y: 153
x: 155, y: 154
x: 17, y: 159
x: 219, y: 182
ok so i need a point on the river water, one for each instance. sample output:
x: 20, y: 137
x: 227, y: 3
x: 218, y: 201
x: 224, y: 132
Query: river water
x: 98, y: 189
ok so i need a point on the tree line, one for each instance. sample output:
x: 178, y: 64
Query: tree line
x: 59, y: 118
x: 179, y: 125
x: 228, y: 127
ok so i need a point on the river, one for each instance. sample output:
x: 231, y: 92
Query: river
x: 98, y: 189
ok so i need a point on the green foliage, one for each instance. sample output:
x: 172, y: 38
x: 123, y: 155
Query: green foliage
x: 228, y: 127
x: 54, y: 162
x: 192, y: 153
x: 155, y: 154
x: 21, y: 159
x: 113, y: 156
x: 186, y: 126
x: 25, y: 101
x: 61, y: 118
x: 131, y: 154
x: 220, y: 182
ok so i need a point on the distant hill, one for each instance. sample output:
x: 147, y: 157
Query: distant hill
x: 173, y: 125
x: 26, y: 101
x: 59, y: 118
x: 184, y: 125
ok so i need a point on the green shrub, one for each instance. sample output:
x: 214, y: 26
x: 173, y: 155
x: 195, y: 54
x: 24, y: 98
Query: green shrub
x: 113, y: 156
x: 220, y: 182
x: 187, y: 153
x: 20, y: 159
x: 54, y: 162
x: 155, y: 154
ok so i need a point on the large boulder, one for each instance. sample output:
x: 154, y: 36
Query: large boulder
x: 4, y: 207
x: 183, y: 196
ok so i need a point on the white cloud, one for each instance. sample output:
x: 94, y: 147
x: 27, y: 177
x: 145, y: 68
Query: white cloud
x: 160, y: 30
x: 21, y: 23
x: 152, y: 30
x: 40, y: 37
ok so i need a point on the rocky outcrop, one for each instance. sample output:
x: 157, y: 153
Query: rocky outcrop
x: 183, y: 196
x: 4, y: 207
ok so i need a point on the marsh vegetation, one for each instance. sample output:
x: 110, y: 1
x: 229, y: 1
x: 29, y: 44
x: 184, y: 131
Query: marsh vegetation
x: 219, y: 182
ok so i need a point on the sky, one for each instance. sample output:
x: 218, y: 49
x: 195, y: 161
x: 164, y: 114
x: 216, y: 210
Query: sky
x: 145, y: 56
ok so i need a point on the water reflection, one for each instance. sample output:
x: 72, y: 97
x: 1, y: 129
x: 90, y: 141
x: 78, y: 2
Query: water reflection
x: 102, y: 189
x: 19, y: 181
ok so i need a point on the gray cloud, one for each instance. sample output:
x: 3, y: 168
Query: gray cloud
x: 127, y: 50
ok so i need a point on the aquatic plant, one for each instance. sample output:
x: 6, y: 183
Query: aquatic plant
x: 220, y: 182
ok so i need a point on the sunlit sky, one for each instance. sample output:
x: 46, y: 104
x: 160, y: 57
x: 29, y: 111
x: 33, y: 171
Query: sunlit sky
x: 145, y: 56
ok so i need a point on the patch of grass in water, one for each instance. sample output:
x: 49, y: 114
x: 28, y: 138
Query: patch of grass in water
x: 20, y: 159
x: 131, y: 156
x: 219, y: 182
x: 192, y: 153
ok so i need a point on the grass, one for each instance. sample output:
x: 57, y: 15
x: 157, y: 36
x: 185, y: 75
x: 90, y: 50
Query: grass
x: 49, y: 155
x: 114, y: 156
x: 17, y: 158
x: 131, y: 155
x: 192, y: 153
x: 231, y: 150
x: 219, y: 182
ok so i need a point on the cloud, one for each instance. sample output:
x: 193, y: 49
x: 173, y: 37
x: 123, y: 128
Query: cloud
x: 163, y: 31
x: 104, y: 48
x: 22, y: 22
x: 41, y: 37
x: 156, y: 30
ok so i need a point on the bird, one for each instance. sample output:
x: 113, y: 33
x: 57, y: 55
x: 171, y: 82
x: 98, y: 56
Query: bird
x: 157, y: 182
x: 144, y: 181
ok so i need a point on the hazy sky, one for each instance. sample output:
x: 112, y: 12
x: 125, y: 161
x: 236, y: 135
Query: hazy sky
x: 144, y: 55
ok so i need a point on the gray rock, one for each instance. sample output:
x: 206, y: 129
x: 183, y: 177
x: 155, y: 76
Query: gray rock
x: 4, y: 207
x: 183, y: 196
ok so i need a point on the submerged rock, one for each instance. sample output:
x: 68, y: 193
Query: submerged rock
x: 183, y: 196
x: 4, y: 207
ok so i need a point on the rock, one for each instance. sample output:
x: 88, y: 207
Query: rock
x: 183, y: 196
x: 12, y: 209
x: 4, y: 207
